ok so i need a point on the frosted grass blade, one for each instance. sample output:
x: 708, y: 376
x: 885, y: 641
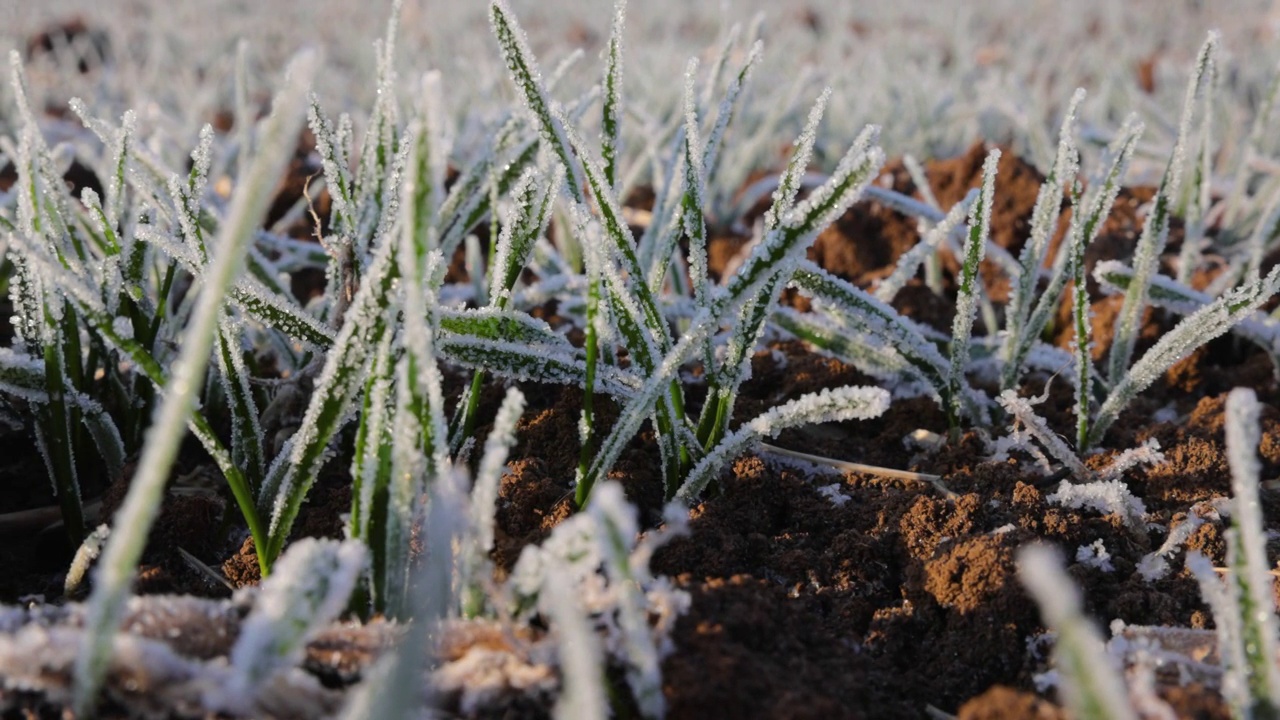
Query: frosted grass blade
x: 308, y: 590
x: 1085, y: 227
x: 863, y: 314
x: 611, y: 115
x: 969, y: 289
x: 524, y: 72
x: 838, y: 405
x: 135, y: 517
x: 1193, y: 331
x: 1156, y: 229
x: 1168, y: 294
x: 1247, y: 554
x: 1044, y: 216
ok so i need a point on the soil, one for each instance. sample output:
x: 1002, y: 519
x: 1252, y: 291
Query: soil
x: 893, y: 600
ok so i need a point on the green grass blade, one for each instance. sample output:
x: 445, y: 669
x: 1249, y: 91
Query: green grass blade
x: 970, y: 287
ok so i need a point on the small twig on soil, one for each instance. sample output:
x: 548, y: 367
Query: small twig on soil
x: 41, y: 518
x: 200, y: 567
x: 936, y: 714
x: 1227, y: 571
x: 934, y: 480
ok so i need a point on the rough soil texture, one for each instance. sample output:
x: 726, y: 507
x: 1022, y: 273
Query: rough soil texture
x: 869, y: 598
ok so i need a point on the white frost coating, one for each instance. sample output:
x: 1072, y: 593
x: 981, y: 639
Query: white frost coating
x: 1148, y: 453
x: 1025, y: 417
x: 1248, y: 556
x: 1088, y: 676
x: 1111, y: 496
x: 1154, y: 566
x: 308, y: 588
x: 829, y: 405
x: 832, y: 493
x: 1095, y: 556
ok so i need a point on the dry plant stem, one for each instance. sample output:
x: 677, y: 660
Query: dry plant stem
x: 934, y: 480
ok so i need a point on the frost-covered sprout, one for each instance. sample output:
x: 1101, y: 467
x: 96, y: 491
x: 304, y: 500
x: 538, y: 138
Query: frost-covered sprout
x: 1196, y: 329
x: 591, y: 577
x: 310, y: 587
x: 1247, y: 558
x: 1090, y: 681
x: 967, y: 298
x: 143, y: 500
x: 1156, y: 229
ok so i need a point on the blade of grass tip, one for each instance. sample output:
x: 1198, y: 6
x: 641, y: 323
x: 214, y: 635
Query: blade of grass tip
x: 1247, y: 556
x: 524, y: 73
x: 1191, y: 332
x: 1044, y: 218
x: 691, y: 205
x: 1091, y: 684
x: 711, y: 153
x: 336, y: 175
x: 1200, y: 197
x: 133, y: 521
x: 1155, y: 231
x: 610, y: 121
x: 967, y: 294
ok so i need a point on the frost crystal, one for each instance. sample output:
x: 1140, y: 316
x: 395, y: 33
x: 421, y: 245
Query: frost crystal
x: 1095, y: 556
x: 1111, y: 496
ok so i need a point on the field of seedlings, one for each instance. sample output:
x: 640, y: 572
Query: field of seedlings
x: 539, y: 358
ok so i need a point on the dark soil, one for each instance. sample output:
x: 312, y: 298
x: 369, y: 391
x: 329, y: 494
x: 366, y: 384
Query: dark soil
x: 894, y: 600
